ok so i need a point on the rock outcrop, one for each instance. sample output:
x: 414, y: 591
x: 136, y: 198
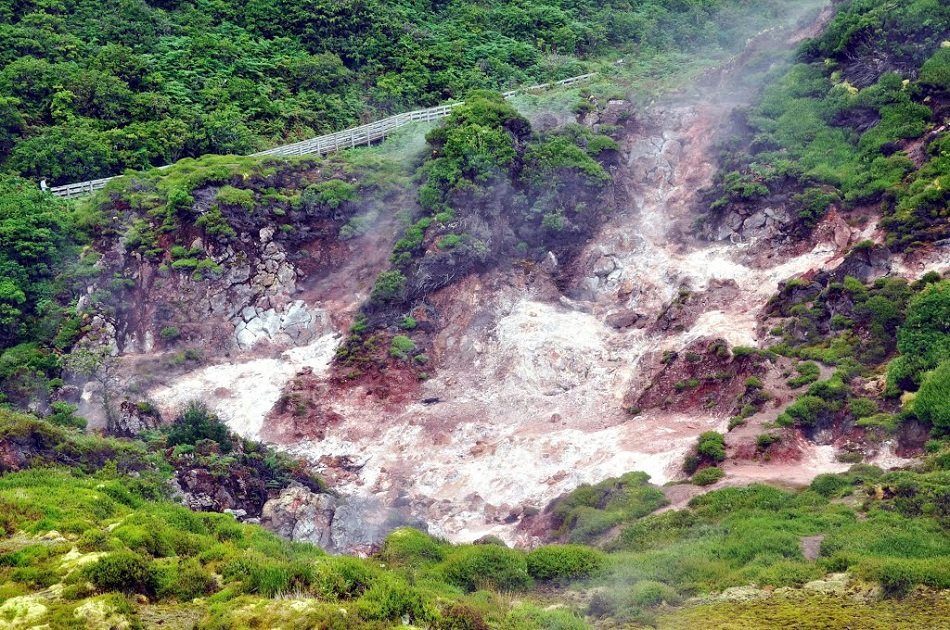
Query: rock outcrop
x: 301, y: 515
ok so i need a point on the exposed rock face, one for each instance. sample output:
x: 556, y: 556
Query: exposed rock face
x: 199, y: 489
x: 301, y: 515
x: 337, y: 525
x: 736, y: 227
x: 134, y: 419
x: 295, y: 324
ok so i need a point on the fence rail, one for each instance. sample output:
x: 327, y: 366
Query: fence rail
x: 330, y: 143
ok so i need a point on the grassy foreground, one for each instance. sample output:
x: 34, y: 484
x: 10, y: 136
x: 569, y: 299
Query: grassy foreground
x: 100, y: 545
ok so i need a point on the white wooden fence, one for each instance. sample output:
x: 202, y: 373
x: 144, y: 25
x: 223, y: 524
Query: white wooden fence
x: 330, y: 143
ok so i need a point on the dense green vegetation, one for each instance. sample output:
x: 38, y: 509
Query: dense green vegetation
x: 88, y: 89
x: 862, y: 330
x: 40, y: 239
x: 591, y: 510
x: 831, y: 129
x: 102, y: 535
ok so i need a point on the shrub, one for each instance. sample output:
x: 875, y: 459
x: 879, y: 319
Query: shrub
x: 231, y: 196
x: 268, y: 576
x: 829, y: 485
x: 122, y: 571
x: 922, y: 339
x: 169, y: 333
x: 753, y: 382
x: 197, y: 423
x: 708, y: 476
x: 591, y: 510
x: 391, y: 599
x: 460, y: 617
x: 744, y: 351
x: 343, y: 577
x: 410, y: 547
x: 487, y: 566
x: 331, y: 194
x: 936, y: 71
x: 648, y: 594
x: 214, y: 224
x: 450, y: 241
x: 64, y: 415
x: 932, y: 402
x: 184, y: 580
x: 601, y: 143
x: 862, y: 407
x: 813, y: 203
x: 808, y: 373
x: 564, y: 562
x: 400, y: 347
x: 735, y: 421
x: 712, y: 445
x: 765, y: 440
x: 898, y: 575
x: 389, y: 287
x: 808, y: 411
x: 188, y: 264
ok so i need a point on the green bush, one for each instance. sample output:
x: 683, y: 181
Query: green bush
x: 808, y: 411
x: 487, y: 566
x: 214, y: 224
x: 712, y: 445
x: 390, y: 599
x: 269, y: 577
x: 648, y: 594
x: 808, y: 373
x: 184, y: 580
x: 862, y: 407
x: 932, y: 402
x: 400, y: 347
x: 169, y: 333
x: 123, y: 571
x: 231, y: 196
x: 64, y: 415
x: 922, y: 339
x: 765, y: 440
x: 410, y: 547
x: 936, y: 71
x: 590, y: 510
x: 898, y: 576
x: 450, y: 241
x: 331, y: 194
x: 343, y: 577
x: 197, y: 423
x: 829, y: 485
x: 564, y: 562
x: 708, y: 476
x: 389, y: 287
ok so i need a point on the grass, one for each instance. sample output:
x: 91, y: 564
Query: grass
x: 117, y: 537
x: 794, y: 610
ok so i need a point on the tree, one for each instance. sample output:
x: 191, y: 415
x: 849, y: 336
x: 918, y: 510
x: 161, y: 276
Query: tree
x: 195, y: 423
x: 37, y: 239
x: 99, y: 365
